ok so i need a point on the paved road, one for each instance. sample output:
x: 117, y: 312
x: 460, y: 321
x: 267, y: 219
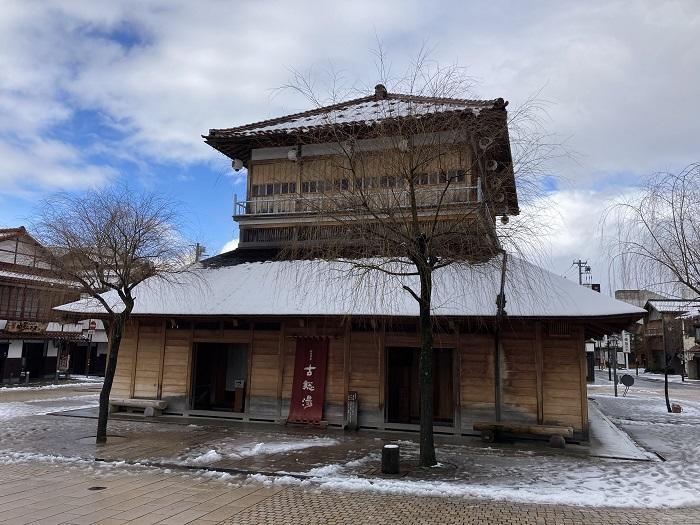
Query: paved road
x: 38, y: 486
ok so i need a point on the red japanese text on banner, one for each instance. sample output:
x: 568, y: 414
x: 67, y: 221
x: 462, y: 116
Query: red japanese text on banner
x: 308, y: 388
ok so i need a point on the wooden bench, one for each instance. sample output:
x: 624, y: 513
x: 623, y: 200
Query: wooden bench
x: 490, y: 429
x: 151, y: 407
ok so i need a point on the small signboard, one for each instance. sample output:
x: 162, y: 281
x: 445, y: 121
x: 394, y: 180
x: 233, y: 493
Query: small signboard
x: 25, y: 326
x: 308, y: 388
x: 63, y: 361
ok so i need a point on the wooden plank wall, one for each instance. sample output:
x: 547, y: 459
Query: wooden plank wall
x: 365, y: 377
x: 126, y: 361
x: 561, y: 382
x: 476, y: 380
x: 519, y: 379
x: 176, y: 363
x: 147, y: 372
x: 264, y: 401
x: 539, y: 371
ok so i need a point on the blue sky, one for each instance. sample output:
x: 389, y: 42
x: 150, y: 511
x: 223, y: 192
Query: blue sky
x: 95, y: 93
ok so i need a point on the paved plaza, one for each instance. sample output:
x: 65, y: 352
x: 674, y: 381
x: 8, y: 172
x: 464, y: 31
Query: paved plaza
x: 176, y: 471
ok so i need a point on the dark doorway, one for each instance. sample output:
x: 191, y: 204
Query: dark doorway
x: 4, y: 347
x: 220, y: 375
x: 78, y: 359
x: 33, y: 359
x: 403, y: 389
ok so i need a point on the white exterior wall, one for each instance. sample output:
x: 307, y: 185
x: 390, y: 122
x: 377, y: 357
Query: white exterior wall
x: 52, y: 348
x: 15, y: 349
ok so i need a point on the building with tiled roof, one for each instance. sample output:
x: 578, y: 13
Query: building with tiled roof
x: 31, y: 334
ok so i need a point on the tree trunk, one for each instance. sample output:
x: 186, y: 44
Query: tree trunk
x: 668, y: 401
x: 427, y: 443
x: 116, y: 330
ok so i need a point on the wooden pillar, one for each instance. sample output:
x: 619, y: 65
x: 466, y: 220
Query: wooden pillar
x: 581, y: 345
x: 382, y: 377
x: 161, y: 369
x: 282, y: 350
x: 346, y: 360
x: 539, y: 370
x: 457, y: 383
x: 132, y: 385
x: 189, y: 372
x: 248, y: 387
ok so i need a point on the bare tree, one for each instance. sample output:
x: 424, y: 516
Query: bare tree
x: 109, y: 241
x: 413, y: 187
x: 656, y: 236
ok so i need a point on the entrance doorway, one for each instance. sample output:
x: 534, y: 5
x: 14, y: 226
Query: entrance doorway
x: 33, y: 359
x: 220, y: 374
x: 403, y: 388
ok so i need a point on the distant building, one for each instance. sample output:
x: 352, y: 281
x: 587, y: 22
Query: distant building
x: 690, y: 323
x: 32, y: 338
x: 664, y: 333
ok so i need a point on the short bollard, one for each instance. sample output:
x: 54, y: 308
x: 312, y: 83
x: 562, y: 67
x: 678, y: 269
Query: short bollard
x: 390, y: 459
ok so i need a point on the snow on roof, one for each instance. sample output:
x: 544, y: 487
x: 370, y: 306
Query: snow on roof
x: 338, y: 288
x: 37, y: 278
x: 366, y: 110
x: 678, y: 306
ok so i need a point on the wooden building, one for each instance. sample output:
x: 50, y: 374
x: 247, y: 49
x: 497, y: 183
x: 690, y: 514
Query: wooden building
x: 31, y: 336
x: 249, y: 336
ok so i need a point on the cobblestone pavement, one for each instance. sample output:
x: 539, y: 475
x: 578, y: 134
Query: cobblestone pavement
x: 47, y: 468
x: 50, y: 494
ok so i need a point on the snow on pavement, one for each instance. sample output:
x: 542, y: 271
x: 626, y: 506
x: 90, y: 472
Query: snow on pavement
x: 79, y: 382
x: 585, y: 483
x: 16, y: 409
x: 228, y: 449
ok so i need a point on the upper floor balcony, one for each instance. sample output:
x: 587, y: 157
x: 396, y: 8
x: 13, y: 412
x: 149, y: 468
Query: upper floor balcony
x: 370, y: 200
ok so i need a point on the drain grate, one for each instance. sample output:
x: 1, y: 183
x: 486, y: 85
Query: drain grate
x: 96, y: 488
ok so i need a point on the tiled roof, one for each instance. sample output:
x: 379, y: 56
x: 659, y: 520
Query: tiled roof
x: 8, y: 233
x: 366, y: 110
x: 679, y: 306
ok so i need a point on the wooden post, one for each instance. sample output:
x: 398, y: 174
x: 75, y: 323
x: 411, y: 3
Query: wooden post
x: 136, y: 356
x: 382, y: 374
x: 498, y: 345
x: 346, y: 359
x: 580, y: 342
x: 282, y: 349
x: 457, y: 383
x: 539, y: 369
x: 162, y: 360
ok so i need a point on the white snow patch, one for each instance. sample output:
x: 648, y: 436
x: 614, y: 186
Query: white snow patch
x: 223, y: 449
x: 211, y: 456
x: 82, y: 383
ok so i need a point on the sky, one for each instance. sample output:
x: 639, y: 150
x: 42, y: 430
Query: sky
x: 99, y: 93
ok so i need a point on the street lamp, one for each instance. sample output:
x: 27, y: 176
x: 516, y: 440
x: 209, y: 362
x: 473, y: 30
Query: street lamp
x: 614, y: 346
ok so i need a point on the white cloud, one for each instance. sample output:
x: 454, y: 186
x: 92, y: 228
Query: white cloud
x: 622, y: 78
x: 230, y: 245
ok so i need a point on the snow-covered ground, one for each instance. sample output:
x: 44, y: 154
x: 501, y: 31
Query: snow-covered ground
x: 350, y: 462
x: 35, y: 407
x: 209, y: 453
x: 671, y: 379
x: 74, y: 382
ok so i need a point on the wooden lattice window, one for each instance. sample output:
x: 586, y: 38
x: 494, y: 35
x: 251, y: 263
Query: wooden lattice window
x: 558, y: 328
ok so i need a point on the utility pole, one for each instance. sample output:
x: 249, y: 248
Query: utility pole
x: 199, y: 250
x: 582, y: 268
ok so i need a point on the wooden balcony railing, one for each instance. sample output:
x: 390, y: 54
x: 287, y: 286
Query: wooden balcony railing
x: 375, y: 200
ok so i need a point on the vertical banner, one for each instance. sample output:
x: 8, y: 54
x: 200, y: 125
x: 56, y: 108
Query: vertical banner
x: 309, y: 384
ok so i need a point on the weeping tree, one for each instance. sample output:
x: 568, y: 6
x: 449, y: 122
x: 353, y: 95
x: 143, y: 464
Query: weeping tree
x: 109, y: 241
x: 409, y: 184
x: 654, y: 237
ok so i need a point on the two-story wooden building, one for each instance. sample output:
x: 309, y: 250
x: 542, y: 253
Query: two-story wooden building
x: 259, y: 335
x: 31, y: 334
